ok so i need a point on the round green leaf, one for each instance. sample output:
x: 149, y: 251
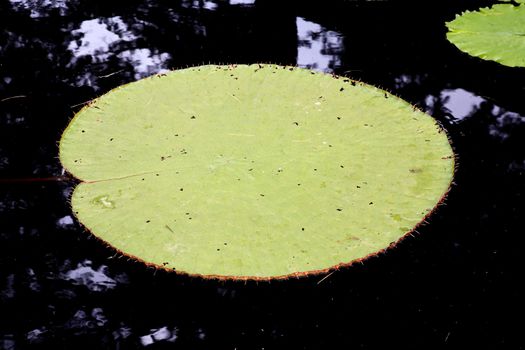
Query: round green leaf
x: 257, y: 171
x: 496, y: 34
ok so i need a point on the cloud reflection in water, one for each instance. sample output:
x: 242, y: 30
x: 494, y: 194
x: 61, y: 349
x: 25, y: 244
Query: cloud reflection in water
x: 318, y: 48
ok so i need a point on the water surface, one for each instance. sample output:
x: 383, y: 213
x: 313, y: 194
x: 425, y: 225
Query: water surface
x: 455, y: 283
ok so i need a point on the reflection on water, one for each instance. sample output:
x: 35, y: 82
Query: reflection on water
x: 318, y: 48
x: 8, y: 291
x: 95, y: 280
x: 162, y: 334
x: 83, y: 274
x: 242, y: 2
x: 94, y: 37
x: 103, y: 39
x: 37, y: 335
x: 61, y: 289
x: 7, y: 342
x: 459, y: 102
x: 507, y: 122
x: 197, y: 4
x: 145, y: 62
x: 83, y: 319
x: 65, y: 221
x: 41, y: 8
x: 405, y: 80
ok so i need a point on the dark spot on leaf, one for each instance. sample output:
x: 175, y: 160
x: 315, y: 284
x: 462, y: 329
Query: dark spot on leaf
x: 338, y: 118
x: 250, y: 169
x: 148, y: 221
x: 342, y: 166
x: 346, y: 80
x: 358, y: 186
x: 296, y: 123
x: 162, y: 158
x: 315, y: 169
x: 181, y: 189
x: 111, y: 139
x: 302, y: 228
x: 83, y: 130
x: 218, y: 249
x: 192, y: 117
x: 370, y: 203
x: 342, y: 89
x: 339, y: 209
x: 386, y: 96
x: 262, y: 195
x: 353, y: 83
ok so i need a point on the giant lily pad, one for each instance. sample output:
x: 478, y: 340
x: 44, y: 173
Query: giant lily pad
x: 496, y: 34
x: 257, y: 171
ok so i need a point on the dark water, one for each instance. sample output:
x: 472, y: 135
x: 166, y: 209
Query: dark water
x: 457, y: 283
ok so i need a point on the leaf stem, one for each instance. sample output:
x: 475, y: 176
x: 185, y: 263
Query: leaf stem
x: 35, y: 179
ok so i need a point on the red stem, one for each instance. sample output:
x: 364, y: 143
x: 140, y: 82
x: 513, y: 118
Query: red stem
x: 35, y: 179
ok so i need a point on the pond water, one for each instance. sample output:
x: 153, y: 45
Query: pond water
x: 455, y: 283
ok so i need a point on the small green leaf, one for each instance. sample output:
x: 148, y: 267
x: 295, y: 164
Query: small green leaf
x: 496, y: 34
x: 257, y: 171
